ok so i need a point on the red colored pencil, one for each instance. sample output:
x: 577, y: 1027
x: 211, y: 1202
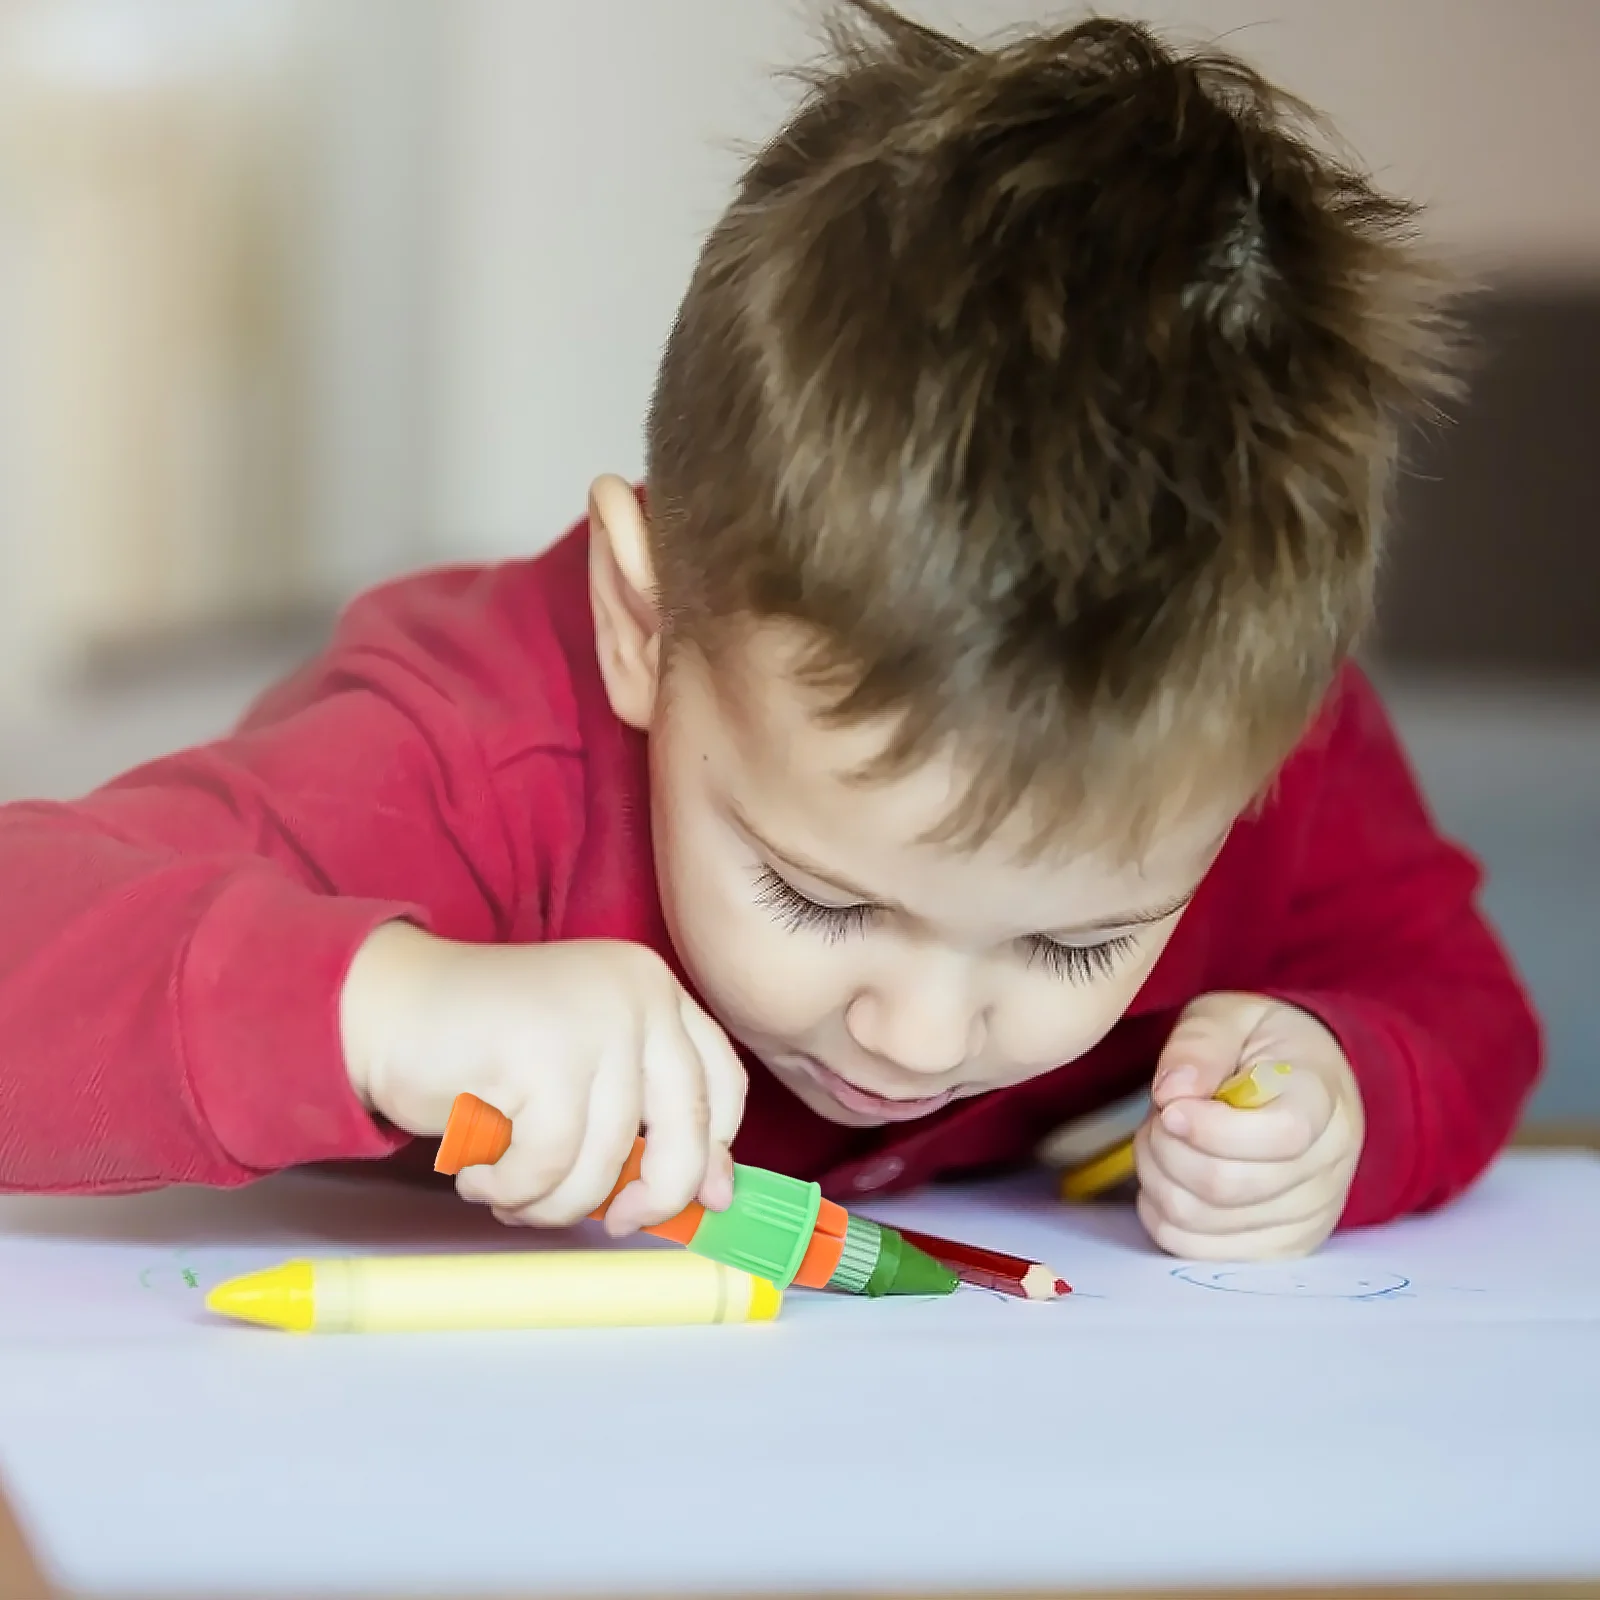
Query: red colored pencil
x: 990, y: 1269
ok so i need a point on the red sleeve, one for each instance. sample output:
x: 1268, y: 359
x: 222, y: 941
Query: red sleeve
x: 1385, y: 944
x: 174, y: 944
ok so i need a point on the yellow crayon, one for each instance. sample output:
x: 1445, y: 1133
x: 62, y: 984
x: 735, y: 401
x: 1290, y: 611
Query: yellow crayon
x: 1099, y: 1174
x: 498, y: 1290
x: 1254, y: 1086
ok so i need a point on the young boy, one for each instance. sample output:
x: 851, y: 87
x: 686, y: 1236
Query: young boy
x: 956, y: 733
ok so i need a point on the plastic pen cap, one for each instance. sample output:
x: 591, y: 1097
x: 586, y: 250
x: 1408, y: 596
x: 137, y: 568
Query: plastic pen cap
x: 475, y: 1136
x: 766, y: 1230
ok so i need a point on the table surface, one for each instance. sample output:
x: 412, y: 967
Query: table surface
x: 21, y: 1578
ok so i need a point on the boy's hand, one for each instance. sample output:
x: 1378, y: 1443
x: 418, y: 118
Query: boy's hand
x: 1221, y: 1184
x: 578, y: 1043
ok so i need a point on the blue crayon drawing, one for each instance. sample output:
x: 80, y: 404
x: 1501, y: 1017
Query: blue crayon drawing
x: 1295, y: 1281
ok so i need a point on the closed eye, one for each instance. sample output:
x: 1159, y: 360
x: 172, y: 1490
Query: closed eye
x: 1081, y: 963
x: 800, y: 913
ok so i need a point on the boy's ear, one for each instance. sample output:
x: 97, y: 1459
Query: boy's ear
x: 627, y: 625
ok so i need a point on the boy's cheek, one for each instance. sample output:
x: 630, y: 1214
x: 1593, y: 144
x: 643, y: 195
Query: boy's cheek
x: 1040, y: 1019
x: 1044, y: 1019
x: 754, y: 975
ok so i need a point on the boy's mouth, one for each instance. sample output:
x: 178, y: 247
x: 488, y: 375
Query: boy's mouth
x: 864, y: 1103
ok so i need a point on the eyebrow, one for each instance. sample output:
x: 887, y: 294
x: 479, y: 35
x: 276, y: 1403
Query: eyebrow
x: 809, y: 869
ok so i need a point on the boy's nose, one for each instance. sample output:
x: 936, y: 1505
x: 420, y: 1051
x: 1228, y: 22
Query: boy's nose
x: 927, y: 1032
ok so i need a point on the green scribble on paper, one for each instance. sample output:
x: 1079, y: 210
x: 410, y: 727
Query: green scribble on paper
x: 164, y: 1277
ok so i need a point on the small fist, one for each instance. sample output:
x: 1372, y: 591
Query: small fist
x: 1221, y: 1184
x: 579, y: 1044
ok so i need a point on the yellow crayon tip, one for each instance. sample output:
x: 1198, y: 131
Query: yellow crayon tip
x: 765, y: 1300
x: 1255, y: 1086
x: 281, y: 1297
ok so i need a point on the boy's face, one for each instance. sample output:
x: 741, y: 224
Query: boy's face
x: 876, y: 976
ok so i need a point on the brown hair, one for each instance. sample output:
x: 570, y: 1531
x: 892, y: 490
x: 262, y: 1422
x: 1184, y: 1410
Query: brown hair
x: 1054, y: 390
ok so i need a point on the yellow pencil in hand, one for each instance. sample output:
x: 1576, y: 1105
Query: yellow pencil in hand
x: 1254, y: 1086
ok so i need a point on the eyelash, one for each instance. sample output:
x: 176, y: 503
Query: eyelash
x: 798, y: 913
x: 1080, y: 963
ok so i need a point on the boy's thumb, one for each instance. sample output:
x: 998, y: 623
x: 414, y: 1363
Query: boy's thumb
x: 1206, y: 1047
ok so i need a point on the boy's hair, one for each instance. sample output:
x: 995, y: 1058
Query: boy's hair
x: 1054, y: 390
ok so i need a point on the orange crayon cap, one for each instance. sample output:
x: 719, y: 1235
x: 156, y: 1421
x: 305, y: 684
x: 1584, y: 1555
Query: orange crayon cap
x: 826, y: 1249
x: 475, y: 1136
x: 681, y: 1229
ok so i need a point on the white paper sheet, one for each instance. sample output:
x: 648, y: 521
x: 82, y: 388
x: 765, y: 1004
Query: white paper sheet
x: 1418, y: 1402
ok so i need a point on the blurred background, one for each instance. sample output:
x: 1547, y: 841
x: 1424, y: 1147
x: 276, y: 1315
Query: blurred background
x: 297, y: 294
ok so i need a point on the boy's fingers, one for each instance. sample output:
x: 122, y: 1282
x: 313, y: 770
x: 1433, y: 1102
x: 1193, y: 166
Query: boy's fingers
x: 726, y: 1086
x: 545, y: 1141
x: 677, y: 1140
x: 1310, y: 1197
x: 611, y: 1126
x: 1224, y: 1182
x: 1279, y: 1241
x: 1204, y: 1050
x: 716, y: 1192
x: 725, y: 1078
x: 1281, y: 1131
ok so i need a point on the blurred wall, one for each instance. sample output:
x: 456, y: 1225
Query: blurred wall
x: 295, y: 294
x: 214, y: 297
x: 1494, y: 566
x: 586, y: 147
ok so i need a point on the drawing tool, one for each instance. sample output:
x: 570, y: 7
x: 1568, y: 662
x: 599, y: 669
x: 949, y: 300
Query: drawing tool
x: 991, y: 1269
x: 1072, y: 1142
x: 496, y: 1290
x: 1100, y: 1174
x: 1245, y: 1090
x: 778, y: 1228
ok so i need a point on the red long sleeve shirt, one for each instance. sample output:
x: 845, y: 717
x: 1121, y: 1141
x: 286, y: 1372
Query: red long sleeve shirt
x: 174, y: 944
